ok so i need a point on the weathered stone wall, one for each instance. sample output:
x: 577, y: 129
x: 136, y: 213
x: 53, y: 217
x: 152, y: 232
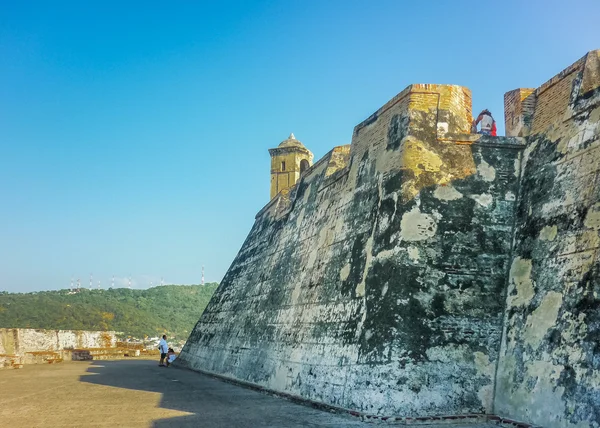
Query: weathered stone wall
x: 19, y: 344
x: 377, y: 285
x: 422, y: 271
x: 549, y: 371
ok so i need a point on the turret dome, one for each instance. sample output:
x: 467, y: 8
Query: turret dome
x: 291, y: 142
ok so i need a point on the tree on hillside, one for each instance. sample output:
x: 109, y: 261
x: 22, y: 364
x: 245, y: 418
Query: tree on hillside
x: 173, y: 309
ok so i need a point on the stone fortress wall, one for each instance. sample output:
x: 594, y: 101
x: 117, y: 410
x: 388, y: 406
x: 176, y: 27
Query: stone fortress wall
x: 423, y: 271
x: 549, y: 367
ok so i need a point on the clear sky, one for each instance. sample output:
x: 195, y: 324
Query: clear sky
x: 134, y: 136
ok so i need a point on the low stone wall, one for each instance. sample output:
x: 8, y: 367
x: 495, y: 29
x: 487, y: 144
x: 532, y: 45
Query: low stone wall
x: 20, y: 346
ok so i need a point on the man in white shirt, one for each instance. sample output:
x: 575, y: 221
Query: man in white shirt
x: 163, y: 347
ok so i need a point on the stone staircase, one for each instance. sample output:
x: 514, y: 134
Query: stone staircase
x: 120, y: 352
x: 110, y: 353
x: 42, y: 357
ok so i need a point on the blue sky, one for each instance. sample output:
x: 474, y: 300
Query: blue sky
x: 134, y: 136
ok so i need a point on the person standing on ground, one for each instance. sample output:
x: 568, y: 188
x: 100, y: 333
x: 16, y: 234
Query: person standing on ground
x: 163, y: 347
x: 488, y: 124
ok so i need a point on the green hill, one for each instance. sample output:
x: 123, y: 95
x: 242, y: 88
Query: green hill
x: 170, y: 309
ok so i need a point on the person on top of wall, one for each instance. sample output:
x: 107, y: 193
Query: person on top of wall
x: 488, y: 124
x: 163, y: 347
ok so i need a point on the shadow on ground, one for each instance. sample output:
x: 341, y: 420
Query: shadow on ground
x: 210, y: 402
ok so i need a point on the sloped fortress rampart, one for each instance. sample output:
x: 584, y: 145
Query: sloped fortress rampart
x: 425, y: 271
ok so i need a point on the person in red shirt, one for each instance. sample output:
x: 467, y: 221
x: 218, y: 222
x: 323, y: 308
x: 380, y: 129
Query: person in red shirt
x: 488, y: 124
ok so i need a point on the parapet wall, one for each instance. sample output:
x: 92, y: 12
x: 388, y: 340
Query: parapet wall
x: 423, y: 271
x: 21, y: 346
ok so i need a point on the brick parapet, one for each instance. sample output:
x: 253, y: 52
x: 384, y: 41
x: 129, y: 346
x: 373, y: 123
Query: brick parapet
x: 519, y: 106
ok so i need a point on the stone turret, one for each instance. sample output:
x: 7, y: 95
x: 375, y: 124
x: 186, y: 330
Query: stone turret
x: 288, y: 161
